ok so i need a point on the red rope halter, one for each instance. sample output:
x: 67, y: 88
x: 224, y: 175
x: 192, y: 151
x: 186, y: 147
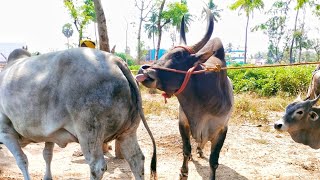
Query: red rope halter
x: 186, y: 78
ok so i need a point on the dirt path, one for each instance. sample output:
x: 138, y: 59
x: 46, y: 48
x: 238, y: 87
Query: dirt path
x: 248, y: 153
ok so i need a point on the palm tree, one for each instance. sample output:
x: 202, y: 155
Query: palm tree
x: 151, y: 28
x: 214, y: 10
x: 67, y: 31
x: 248, y: 6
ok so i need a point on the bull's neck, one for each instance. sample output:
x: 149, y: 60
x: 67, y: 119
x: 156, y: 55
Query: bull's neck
x: 206, y: 91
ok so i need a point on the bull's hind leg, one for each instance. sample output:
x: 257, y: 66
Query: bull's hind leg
x: 216, y: 146
x: 184, y: 130
x: 200, y: 148
x: 47, y: 156
x: 91, y: 147
x: 132, y: 153
x: 9, y: 137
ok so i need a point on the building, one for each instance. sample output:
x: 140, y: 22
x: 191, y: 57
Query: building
x: 152, y: 54
x: 235, y: 56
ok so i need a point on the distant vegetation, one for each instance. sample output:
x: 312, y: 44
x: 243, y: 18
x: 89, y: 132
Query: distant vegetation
x: 286, y: 81
x: 266, y: 82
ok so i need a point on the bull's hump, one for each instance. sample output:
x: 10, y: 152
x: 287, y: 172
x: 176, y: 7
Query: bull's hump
x: 18, y: 54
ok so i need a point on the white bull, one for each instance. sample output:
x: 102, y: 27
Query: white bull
x: 79, y: 95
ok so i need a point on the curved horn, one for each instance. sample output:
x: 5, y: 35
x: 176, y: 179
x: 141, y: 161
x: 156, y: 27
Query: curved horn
x: 183, y: 40
x: 207, y: 36
x: 314, y: 101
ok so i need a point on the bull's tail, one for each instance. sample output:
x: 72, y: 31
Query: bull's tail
x: 135, y: 87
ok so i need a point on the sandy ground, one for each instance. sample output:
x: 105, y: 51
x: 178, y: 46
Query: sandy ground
x: 249, y: 152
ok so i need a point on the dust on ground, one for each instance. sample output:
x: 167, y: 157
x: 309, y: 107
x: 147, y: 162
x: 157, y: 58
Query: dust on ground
x: 249, y: 152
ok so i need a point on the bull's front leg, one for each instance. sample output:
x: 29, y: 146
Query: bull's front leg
x: 184, y: 130
x: 216, y: 146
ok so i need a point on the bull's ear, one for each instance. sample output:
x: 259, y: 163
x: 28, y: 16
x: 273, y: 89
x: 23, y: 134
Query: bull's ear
x: 204, y: 56
x: 313, y: 116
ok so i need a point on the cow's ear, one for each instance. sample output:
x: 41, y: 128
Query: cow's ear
x: 313, y: 116
x: 204, y: 56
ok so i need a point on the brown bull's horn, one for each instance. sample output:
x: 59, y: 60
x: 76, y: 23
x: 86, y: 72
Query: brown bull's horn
x: 207, y: 36
x: 183, y: 40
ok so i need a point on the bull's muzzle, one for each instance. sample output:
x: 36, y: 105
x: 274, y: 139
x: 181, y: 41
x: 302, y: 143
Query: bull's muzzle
x: 278, y: 125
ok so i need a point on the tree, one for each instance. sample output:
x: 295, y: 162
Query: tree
x: 82, y: 15
x: 102, y: 26
x: 145, y: 7
x: 248, y: 6
x: 315, y: 44
x: 300, y: 4
x: 274, y: 27
x: 172, y: 15
x: 214, y: 10
x: 67, y: 31
x: 151, y: 28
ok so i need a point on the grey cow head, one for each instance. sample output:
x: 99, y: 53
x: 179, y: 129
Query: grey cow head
x: 180, y: 58
x: 301, y: 121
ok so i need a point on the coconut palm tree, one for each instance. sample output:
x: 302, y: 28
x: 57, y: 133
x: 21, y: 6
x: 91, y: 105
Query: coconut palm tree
x: 67, y: 31
x: 151, y: 28
x: 248, y: 6
x: 214, y: 10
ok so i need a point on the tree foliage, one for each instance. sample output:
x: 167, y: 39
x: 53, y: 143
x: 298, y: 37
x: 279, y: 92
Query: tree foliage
x: 82, y: 12
x: 247, y: 6
x: 274, y: 27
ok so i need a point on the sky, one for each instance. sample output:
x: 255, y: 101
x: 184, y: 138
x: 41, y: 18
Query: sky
x: 38, y: 23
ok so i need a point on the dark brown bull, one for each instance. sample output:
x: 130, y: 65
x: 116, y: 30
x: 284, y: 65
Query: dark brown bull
x: 206, y: 101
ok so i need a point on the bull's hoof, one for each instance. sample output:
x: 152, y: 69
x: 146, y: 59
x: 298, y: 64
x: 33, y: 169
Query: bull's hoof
x: 77, y: 153
x: 183, y: 176
x: 153, y: 176
x: 200, y: 155
x: 106, y: 148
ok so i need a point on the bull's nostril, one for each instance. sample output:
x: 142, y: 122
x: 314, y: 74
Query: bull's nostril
x: 145, y: 66
x: 277, y: 126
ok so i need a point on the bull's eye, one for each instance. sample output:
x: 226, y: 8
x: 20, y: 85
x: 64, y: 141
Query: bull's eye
x: 313, y: 115
x: 300, y: 112
x: 177, y: 55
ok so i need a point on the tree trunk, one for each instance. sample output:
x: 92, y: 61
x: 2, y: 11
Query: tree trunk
x: 292, y: 42
x: 246, y: 41
x: 159, y: 28
x: 139, y: 33
x: 154, y: 46
x: 102, y: 26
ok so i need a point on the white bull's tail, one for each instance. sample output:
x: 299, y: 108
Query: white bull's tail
x: 135, y: 87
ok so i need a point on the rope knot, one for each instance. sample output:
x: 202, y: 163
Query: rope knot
x: 216, y: 68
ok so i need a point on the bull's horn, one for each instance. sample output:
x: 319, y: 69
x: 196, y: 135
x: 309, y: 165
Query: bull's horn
x: 207, y: 36
x: 314, y: 101
x: 183, y: 40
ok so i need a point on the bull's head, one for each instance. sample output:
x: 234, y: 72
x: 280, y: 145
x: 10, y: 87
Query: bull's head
x: 182, y: 58
x: 301, y: 121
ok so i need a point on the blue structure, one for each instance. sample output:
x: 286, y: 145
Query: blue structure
x: 152, y: 54
x: 235, y: 56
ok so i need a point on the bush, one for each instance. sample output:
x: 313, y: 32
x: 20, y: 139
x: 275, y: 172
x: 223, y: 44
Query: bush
x: 127, y: 58
x: 272, y: 81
